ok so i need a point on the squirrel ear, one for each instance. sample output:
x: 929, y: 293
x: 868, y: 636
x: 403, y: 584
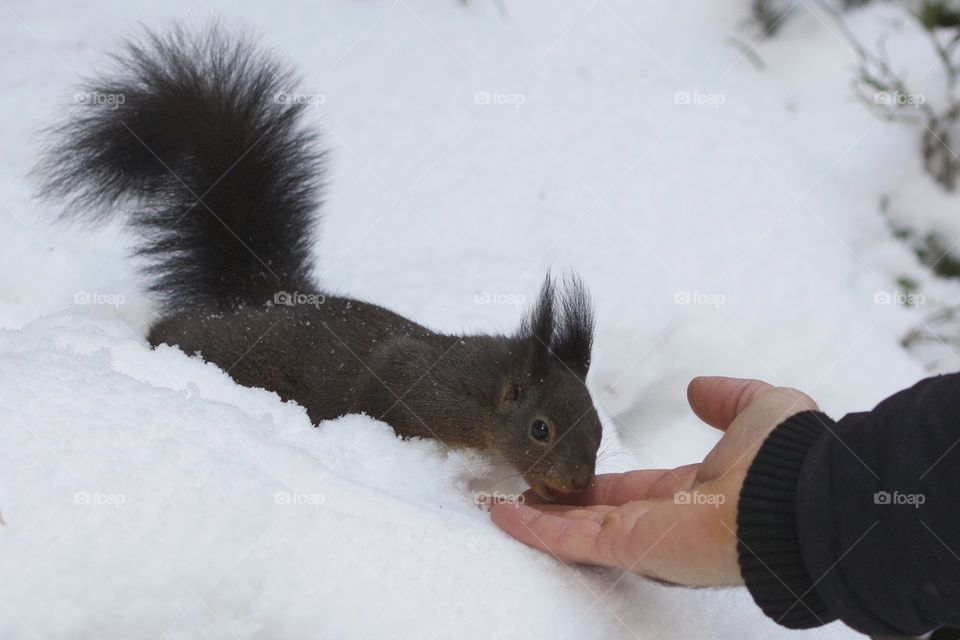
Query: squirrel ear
x: 527, y: 363
x: 539, y: 325
x: 537, y: 331
x: 511, y: 393
x: 573, y: 338
x: 515, y: 377
x: 530, y: 356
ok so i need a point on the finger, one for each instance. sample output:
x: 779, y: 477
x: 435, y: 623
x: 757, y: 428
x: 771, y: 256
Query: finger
x: 571, y: 539
x: 686, y: 544
x: 616, y: 489
x: 718, y: 400
x: 592, y: 512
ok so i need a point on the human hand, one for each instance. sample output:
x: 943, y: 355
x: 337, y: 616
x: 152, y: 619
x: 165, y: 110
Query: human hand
x: 677, y: 525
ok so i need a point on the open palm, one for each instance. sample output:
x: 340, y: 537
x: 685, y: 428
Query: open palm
x: 677, y: 525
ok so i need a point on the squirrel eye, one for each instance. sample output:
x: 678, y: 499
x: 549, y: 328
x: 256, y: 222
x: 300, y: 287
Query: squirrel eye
x: 540, y: 431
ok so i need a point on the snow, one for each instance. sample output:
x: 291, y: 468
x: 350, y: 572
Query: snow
x: 144, y: 494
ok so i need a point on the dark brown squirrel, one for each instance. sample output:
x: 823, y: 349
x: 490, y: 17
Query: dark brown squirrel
x: 198, y: 137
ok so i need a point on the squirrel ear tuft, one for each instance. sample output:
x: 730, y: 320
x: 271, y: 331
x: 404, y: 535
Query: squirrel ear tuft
x: 573, y: 335
x: 537, y: 331
x: 559, y: 326
x: 540, y: 324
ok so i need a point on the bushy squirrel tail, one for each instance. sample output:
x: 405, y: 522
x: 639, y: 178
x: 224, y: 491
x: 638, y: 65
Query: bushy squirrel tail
x: 198, y: 139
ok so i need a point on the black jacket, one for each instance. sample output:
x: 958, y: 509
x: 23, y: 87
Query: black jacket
x: 859, y: 520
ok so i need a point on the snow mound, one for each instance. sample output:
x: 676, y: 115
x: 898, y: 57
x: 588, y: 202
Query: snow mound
x: 144, y: 494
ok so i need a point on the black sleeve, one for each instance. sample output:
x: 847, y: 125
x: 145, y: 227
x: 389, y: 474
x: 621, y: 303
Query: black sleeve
x: 859, y: 519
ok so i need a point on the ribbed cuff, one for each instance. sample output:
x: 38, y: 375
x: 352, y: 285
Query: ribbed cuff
x: 771, y: 562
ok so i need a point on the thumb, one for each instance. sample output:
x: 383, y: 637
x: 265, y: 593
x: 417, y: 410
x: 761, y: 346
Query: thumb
x: 717, y: 400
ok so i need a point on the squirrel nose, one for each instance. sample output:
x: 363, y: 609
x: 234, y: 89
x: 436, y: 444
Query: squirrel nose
x: 582, y: 479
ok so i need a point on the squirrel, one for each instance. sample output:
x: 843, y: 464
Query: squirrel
x: 204, y: 152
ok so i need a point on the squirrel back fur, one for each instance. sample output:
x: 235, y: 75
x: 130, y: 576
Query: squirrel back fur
x: 221, y: 179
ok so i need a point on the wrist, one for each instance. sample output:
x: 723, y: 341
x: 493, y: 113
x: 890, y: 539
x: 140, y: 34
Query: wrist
x: 768, y: 548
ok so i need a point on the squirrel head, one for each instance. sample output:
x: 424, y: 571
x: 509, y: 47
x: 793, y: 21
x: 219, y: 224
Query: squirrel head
x: 548, y: 428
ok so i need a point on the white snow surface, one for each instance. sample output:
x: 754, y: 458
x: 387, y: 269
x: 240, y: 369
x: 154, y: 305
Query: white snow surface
x: 143, y: 494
